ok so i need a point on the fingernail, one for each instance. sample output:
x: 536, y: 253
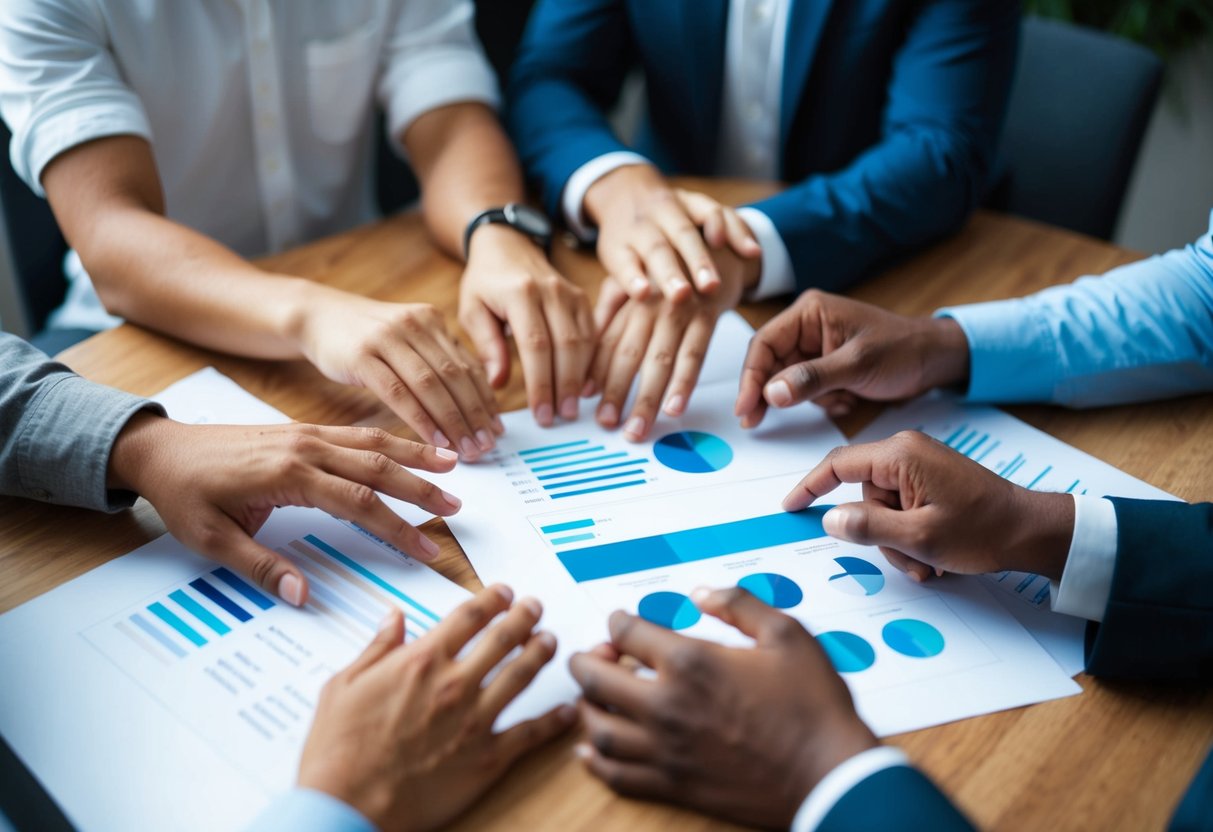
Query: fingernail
x: 566, y: 714
x: 492, y: 368
x: 543, y: 414
x: 678, y: 285
x: 634, y: 428
x: 706, y: 278
x: 700, y: 595
x: 546, y: 639
x: 498, y: 425
x: 779, y: 393
x: 468, y: 447
x: 533, y: 605
x: 583, y: 751
x: 445, y: 453
x: 451, y: 498
x: 639, y: 284
x: 386, y: 622
x: 938, y: 572
x: 608, y: 415
x: 834, y: 522
x: 440, y: 439
x: 568, y: 408
x: 429, y: 546
x: 588, y: 389
x: 484, y: 440
x: 674, y: 406
x: 290, y: 589
x: 505, y: 592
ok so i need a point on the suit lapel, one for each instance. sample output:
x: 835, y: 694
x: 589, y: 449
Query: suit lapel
x: 806, y: 21
x: 704, y: 22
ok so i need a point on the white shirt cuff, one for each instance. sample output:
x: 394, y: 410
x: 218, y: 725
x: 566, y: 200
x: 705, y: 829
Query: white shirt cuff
x: 573, y: 199
x: 845, y: 776
x: 1086, y: 582
x: 777, y: 277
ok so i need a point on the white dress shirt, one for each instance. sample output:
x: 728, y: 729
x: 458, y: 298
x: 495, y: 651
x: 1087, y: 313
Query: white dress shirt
x: 260, y: 112
x: 749, y: 131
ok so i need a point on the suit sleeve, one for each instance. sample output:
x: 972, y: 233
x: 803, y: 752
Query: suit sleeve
x: 895, y: 798
x: 1158, y: 623
x: 946, y: 102
x: 570, y: 68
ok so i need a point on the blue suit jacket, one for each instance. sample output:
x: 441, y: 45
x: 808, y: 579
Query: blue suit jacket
x: 1158, y: 625
x: 891, y: 111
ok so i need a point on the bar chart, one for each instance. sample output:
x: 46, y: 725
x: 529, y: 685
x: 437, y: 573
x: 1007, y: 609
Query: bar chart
x: 573, y: 469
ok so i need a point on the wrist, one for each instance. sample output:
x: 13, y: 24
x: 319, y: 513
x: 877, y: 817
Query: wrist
x: 947, y: 354
x: 623, y: 184
x: 498, y: 242
x: 135, y: 449
x: 1043, y: 527
x: 300, y: 299
x: 844, y: 739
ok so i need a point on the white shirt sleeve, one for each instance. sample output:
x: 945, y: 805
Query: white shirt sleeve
x: 572, y: 201
x: 1086, y: 582
x: 433, y: 59
x: 777, y: 277
x: 845, y: 776
x: 59, y: 84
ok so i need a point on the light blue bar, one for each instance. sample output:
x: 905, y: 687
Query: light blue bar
x: 566, y: 483
x: 168, y: 617
x: 1040, y: 476
x: 573, y: 538
x: 1015, y: 468
x: 610, y: 487
x: 200, y: 612
x: 957, y: 433
x: 163, y: 640
x: 1073, y: 485
x: 554, y: 447
x: 334, y: 599
x: 960, y: 446
x: 1025, y: 583
x: 565, y: 453
x: 566, y: 527
x: 986, y: 452
x: 1007, y: 468
x: 1042, y: 595
x: 591, y: 470
x: 366, y: 573
x: 602, y: 458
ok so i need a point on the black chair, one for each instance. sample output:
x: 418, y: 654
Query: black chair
x: 1079, y: 109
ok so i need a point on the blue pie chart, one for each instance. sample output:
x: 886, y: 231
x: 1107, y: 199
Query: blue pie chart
x: 775, y: 590
x: 849, y: 653
x: 913, y: 638
x: 671, y: 610
x: 693, y: 452
x: 859, y: 577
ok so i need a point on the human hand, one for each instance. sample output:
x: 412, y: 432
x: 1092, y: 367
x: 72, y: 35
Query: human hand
x: 404, y: 355
x: 663, y: 341
x: 509, y: 281
x: 650, y: 233
x: 930, y: 508
x: 830, y: 349
x: 405, y: 733
x: 743, y: 733
x: 216, y: 485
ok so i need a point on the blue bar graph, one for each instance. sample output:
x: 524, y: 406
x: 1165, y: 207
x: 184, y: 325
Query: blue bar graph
x: 562, y: 454
x: 596, y: 489
x: 1073, y: 485
x: 602, y: 458
x: 200, y: 612
x: 161, y: 639
x: 986, y: 452
x: 168, y: 617
x: 547, y: 448
x: 227, y: 604
x: 1039, y: 476
x: 566, y: 527
x: 956, y: 433
x: 573, y: 538
x: 670, y: 549
x: 546, y: 477
x: 567, y: 483
x: 368, y: 574
x: 228, y: 577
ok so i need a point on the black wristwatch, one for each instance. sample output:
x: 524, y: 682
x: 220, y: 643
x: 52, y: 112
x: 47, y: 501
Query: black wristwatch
x: 522, y: 218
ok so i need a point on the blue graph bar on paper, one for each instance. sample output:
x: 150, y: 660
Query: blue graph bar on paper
x: 573, y: 538
x: 596, y: 489
x: 595, y: 470
x: 1014, y: 469
x: 955, y: 434
x: 586, y: 461
x: 567, y: 483
x: 163, y: 640
x: 960, y: 445
x: 1042, y: 595
x: 366, y: 573
x: 1073, y: 485
x: 1040, y: 476
x: 334, y: 599
x: 1025, y: 583
x: 235, y: 610
x: 566, y: 527
x: 200, y: 612
x: 168, y: 617
x: 228, y: 577
x: 562, y: 454
x: 554, y: 447
x: 986, y: 452
x: 1006, y: 470
x: 610, y: 559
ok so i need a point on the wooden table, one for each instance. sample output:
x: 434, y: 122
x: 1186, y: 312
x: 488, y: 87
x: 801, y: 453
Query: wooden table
x: 1119, y: 756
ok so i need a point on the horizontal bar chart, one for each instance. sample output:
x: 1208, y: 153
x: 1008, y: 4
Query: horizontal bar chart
x: 571, y: 525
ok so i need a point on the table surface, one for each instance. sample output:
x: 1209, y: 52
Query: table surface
x: 1118, y: 756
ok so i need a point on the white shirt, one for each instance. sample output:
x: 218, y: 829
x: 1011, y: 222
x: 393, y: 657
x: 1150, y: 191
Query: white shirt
x: 749, y: 131
x: 259, y: 112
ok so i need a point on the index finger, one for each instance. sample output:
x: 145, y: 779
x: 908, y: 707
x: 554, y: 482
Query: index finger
x: 846, y: 463
x: 688, y: 241
x: 534, y: 341
x: 469, y: 618
x: 643, y: 640
x: 402, y: 451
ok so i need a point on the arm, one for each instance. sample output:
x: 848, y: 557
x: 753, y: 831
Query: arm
x: 946, y: 103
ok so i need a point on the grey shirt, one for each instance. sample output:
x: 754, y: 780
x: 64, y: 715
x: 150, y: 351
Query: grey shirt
x: 57, y: 430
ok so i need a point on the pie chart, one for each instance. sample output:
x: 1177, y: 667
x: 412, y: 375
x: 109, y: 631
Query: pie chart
x: 773, y: 589
x: 913, y: 638
x: 849, y: 653
x: 671, y: 610
x: 859, y: 577
x: 693, y: 452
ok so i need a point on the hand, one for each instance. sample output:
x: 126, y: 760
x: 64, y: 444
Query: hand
x: 508, y: 281
x: 743, y: 733
x: 404, y: 355
x: 929, y: 508
x: 215, y: 486
x: 405, y: 733
x: 664, y: 341
x: 830, y: 349
x: 650, y: 233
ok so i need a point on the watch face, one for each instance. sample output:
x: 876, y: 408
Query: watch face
x: 528, y: 220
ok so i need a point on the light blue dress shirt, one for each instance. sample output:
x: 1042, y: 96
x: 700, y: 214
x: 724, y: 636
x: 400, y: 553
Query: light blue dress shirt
x: 305, y: 810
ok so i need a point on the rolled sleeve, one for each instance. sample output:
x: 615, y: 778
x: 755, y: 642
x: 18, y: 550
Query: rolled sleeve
x: 306, y: 810
x: 433, y: 60
x: 1012, y: 352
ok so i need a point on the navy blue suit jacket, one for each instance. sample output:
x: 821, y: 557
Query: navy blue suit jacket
x: 1158, y: 624
x: 891, y: 111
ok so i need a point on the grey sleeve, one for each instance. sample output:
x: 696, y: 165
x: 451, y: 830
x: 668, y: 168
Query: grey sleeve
x: 57, y: 430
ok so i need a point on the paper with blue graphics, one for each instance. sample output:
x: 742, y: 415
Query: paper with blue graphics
x: 590, y: 523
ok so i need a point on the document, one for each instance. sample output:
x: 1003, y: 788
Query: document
x: 1034, y: 460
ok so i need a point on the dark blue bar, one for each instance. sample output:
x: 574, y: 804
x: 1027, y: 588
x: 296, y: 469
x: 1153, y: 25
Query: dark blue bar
x: 562, y: 454
x: 230, y: 606
x: 610, y: 487
x: 554, y: 485
x: 586, y: 461
x: 555, y: 447
x: 591, y: 470
x: 228, y: 577
x: 611, y: 559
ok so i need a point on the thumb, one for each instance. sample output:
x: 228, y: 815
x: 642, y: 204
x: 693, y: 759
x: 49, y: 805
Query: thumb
x: 389, y: 636
x: 809, y: 379
x: 272, y: 571
x: 739, y: 608
x: 486, y: 334
x: 872, y: 524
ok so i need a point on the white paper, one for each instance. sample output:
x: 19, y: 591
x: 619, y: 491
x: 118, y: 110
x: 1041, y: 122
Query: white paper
x: 1032, y: 459
x: 130, y: 730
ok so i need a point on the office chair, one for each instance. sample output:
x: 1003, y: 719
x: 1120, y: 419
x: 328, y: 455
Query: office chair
x: 1078, y: 113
